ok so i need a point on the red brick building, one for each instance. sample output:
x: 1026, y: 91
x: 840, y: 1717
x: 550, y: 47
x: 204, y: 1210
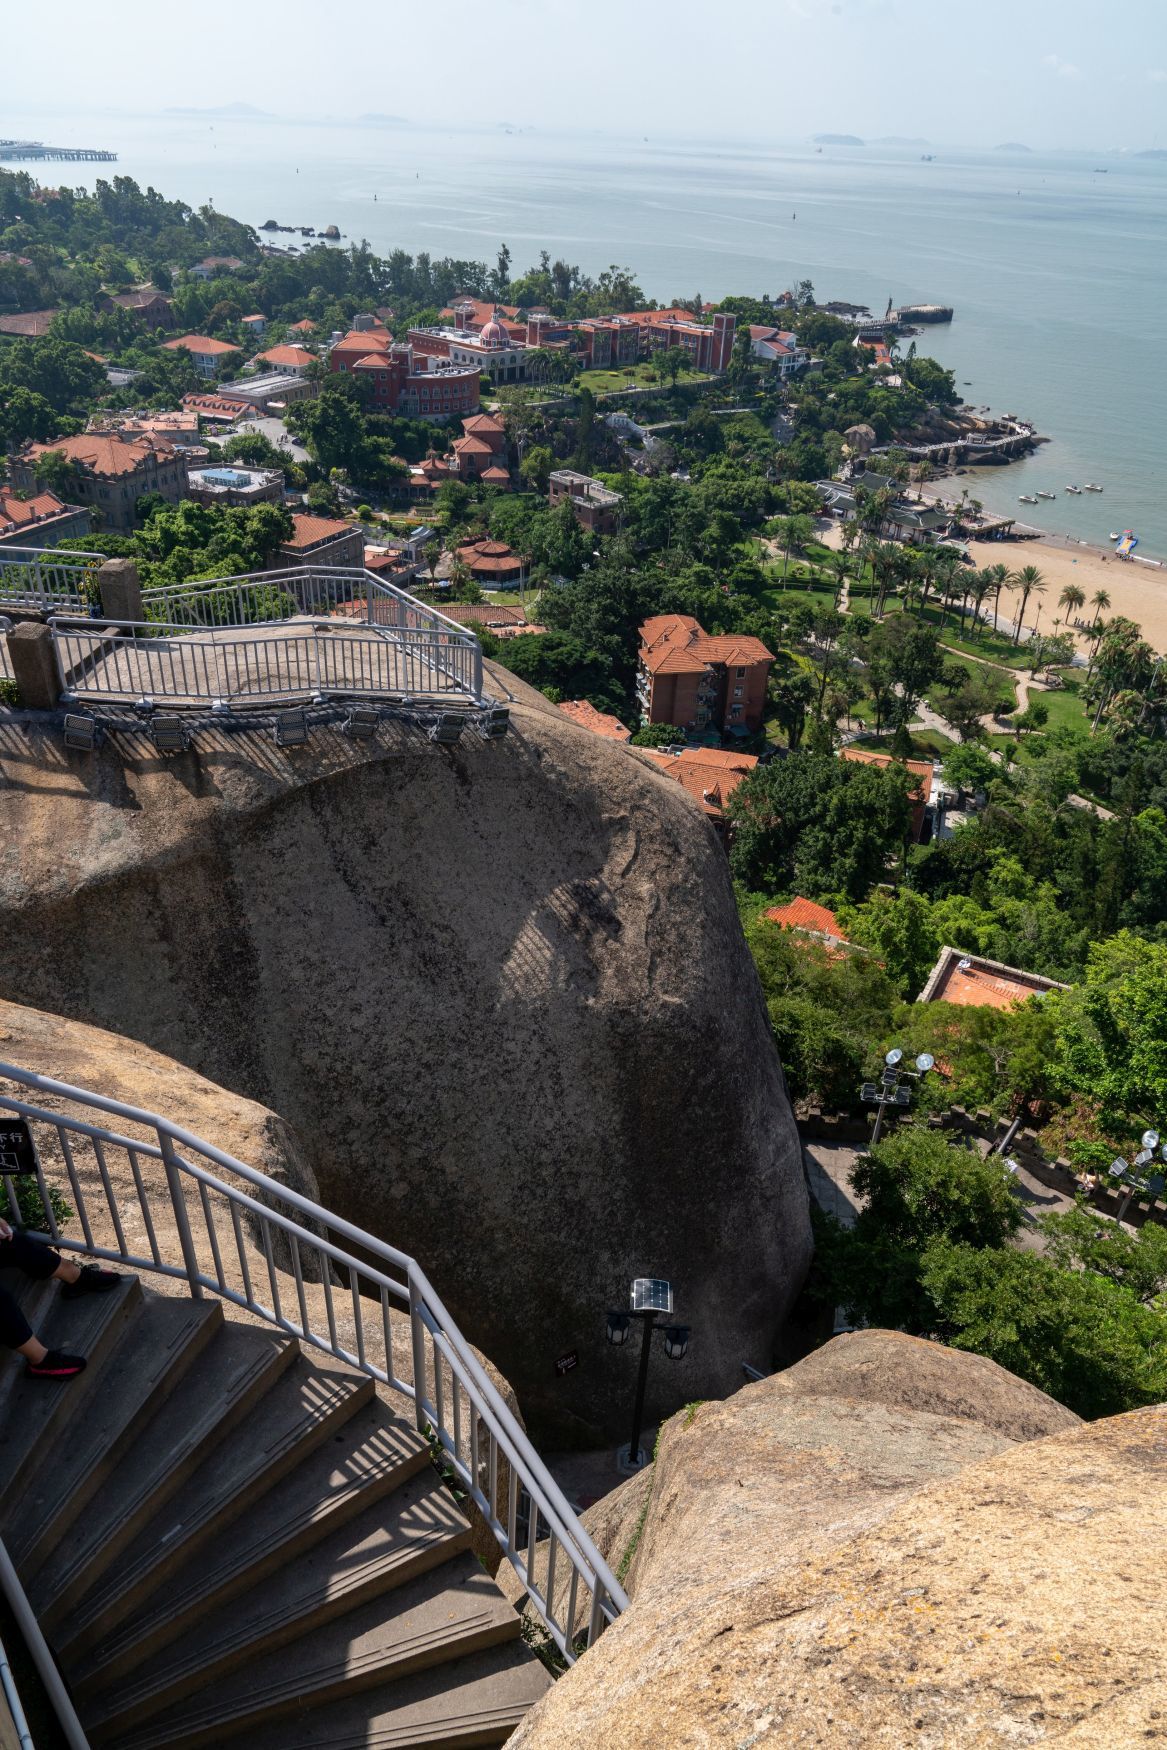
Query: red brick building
x: 708, y: 344
x: 403, y: 381
x: 700, y: 682
x: 491, y: 563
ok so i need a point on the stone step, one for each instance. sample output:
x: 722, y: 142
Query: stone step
x: 417, y: 1529
x: 310, y: 1401
x: 478, y: 1700
x: 155, y: 1351
x: 437, y: 1617
x: 238, y: 1366
x: 34, y: 1412
x: 370, y: 1457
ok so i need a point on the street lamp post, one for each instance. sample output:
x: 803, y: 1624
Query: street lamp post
x: 1134, y: 1175
x: 650, y: 1298
x: 889, y: 1089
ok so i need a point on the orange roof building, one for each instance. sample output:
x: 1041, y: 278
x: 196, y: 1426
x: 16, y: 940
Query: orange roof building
x: 599, y: 722
x: 806, y: 916
x: 709, y: 775
x: 491, y: 563
x: 700, y: 682
x: 973, y: 982
x: 291, y: 360
x: 326, y: 540
x: 208, y: 354
x: 922, y: 770
x: 39, y: 519
x: 111, y: 472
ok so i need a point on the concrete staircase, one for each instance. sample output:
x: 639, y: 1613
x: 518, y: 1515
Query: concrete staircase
x: 226, y: 1538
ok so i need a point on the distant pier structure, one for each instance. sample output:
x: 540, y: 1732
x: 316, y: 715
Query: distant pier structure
x: 18, y: 151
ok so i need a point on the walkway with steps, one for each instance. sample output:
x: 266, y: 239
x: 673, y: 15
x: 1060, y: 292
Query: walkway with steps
x: 228, y: 1539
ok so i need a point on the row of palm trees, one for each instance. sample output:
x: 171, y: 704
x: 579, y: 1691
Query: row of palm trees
x: 916, y: 571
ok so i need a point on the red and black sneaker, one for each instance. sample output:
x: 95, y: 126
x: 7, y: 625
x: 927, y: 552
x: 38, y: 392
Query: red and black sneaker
x: 55, y: 1364
x: 92, y: 1280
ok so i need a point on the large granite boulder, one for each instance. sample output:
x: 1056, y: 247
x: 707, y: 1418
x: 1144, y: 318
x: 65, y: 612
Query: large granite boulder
x: 823, y: 1560
x: 500, y: 994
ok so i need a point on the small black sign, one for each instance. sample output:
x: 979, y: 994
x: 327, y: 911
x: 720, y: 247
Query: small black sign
x: 566, y: 1363
x: 17, y: 1154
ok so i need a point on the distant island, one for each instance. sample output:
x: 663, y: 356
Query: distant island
x: 899, y: 140
x: 1013, y: 146
x: 241, y: 111
x: 1153, y: 152
x: 836, y: 140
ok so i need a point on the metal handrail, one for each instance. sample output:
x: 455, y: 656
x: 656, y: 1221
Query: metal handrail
x: 466, y: 1415
x: 52, y: 576
x: 34, y: 1640
x: 287, y: 660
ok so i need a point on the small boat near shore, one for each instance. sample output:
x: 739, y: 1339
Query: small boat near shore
x: 1047, y: 495
x: 1073, y: 489
x: 1027, y: 498
x: 1089, y: 486
x: 1114, y: 534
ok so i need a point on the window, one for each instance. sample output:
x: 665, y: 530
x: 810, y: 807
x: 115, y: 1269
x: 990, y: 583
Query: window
x: 741, y: 674
x: 735, y: 710
x: 737, y: 692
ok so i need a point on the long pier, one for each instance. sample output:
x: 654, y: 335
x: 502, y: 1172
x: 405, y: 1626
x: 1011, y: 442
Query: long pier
x: 24, y: 151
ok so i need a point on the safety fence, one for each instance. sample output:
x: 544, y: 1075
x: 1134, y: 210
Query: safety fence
x: 151, y: 1195
x: 54, y: 582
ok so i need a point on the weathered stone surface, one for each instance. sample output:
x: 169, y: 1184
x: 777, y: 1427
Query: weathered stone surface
x: 844, y: 1570
x: 500, y: 995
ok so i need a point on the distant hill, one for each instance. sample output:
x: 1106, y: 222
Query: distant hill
x: 899, y: 140
x: 243, y: 111
x: 836, y: 140
x: 1153, y: 152
x: 1013, y: 146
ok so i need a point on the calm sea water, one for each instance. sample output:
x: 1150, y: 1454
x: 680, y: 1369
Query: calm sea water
x: 1054, y: 264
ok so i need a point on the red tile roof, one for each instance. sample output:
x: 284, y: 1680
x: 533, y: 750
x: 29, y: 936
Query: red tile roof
x: 495, y: 476
x: 304, y: 326
x: 478, y: 422
x: 678, y: 644
x: 599, y: 722
x: 471, y: 446
x: 711, y: 782
x: 307, y: 530
x: 920, y: 769
x: 17, y: 512
x: 366, y: 341
x: 30, y: 326
x: 972, y: 982
x: 217, y: 406
x: 108, y: 456
x: 804, y: 914
x: 200, y: 343
x: 299, y: 356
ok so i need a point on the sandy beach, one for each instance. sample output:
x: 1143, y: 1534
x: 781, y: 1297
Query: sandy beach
x: 1138, y: 591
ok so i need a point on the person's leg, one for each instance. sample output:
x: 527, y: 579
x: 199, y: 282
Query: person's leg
x: 21, y: 1251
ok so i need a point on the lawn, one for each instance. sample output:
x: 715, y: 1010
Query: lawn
x: 927, y: 744
x: 994, y: 646
x: 1006, y: 692
x: 1066, y: 708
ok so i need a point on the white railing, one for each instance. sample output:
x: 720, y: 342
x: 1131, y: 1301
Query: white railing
x: 254, y: 599
x: 276, y: 663
x: 239, y: 1234
x: 58, y: 1696
x: 32, y: 577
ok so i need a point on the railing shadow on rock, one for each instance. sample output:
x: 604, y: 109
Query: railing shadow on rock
x: 151, y: 1195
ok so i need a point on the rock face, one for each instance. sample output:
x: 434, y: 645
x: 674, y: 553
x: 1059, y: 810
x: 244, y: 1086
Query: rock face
x: 890, y: 1543
x: 499, y: 993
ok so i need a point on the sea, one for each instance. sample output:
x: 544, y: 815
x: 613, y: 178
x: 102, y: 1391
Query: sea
x: 1054, y: 264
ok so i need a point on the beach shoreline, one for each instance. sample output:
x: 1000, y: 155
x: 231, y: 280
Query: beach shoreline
x: 1137, y: 592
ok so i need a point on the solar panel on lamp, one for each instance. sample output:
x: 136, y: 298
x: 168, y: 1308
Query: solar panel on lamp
x: 652, y: 1294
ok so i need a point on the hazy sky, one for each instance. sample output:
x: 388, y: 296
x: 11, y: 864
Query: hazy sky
x: 1091, y: 73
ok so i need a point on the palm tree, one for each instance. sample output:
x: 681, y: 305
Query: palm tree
x: 1000, y: 576
x: 1071, y: 599
x: 1030, y: 582
x: 923, y: 475
x: 839, y: 563
x: 1099, y: 601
